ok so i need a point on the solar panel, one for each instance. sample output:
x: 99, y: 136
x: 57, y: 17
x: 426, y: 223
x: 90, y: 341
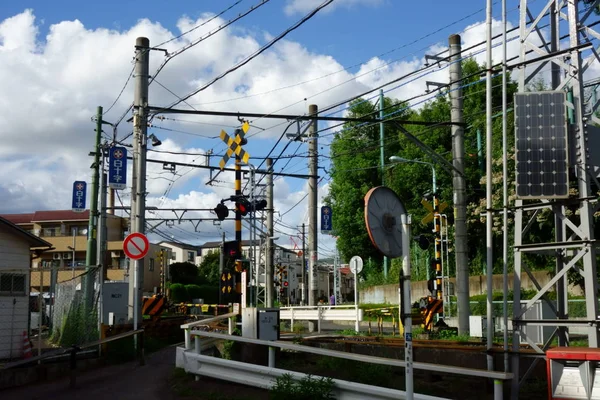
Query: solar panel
x: 541, y: 151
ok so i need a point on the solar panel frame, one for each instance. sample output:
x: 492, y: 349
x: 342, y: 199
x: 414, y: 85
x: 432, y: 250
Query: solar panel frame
x: 541, y: 145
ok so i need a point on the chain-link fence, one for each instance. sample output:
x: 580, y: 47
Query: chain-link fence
x: 69, y: 311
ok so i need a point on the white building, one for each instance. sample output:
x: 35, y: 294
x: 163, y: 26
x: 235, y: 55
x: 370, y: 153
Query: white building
x: 16, y: 246
x: 182, y: 252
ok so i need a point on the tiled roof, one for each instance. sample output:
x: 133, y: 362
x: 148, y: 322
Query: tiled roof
x: 18, y: 218
x: 60, y: 215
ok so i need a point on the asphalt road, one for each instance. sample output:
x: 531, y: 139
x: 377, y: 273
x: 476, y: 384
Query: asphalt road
x: 115, y: 382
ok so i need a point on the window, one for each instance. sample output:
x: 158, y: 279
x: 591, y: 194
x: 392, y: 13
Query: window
x: 151, y: 265
x: 191, y: 256
x: 51, y: 231
x: 12, y: 284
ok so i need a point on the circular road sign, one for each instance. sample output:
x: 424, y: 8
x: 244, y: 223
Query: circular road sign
x: 136, y: 245
x: 356, y: 264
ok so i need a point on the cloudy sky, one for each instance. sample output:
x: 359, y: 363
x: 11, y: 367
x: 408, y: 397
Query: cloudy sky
x: 60, y: 60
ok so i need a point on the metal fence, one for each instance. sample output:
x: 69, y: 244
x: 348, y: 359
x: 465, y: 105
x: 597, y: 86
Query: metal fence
x: 70, y: 310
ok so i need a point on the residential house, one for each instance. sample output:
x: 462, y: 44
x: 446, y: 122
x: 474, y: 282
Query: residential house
x: 17, y: 247
x: 182, y: 252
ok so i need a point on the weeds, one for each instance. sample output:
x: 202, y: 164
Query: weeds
x: 286, y: 388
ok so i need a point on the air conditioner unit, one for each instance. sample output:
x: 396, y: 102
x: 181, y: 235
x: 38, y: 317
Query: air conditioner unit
x: 115, y: 254
x: 56, y: 256
x: 66, y: 256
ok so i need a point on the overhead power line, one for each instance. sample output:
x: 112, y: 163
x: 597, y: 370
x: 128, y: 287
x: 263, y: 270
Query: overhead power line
x: 256, y: 53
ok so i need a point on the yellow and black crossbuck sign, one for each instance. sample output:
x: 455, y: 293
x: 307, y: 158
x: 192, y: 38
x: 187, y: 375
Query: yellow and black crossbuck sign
x: 235, y: 145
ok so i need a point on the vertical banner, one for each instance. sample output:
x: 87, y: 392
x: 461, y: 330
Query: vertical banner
x: 79, y: 193
x: 325, y: 219
x: 117, y: 168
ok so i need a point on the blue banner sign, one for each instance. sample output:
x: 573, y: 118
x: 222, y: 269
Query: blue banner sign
x: 79, y: 192
x: 325, y: 219
x: 117, y: 168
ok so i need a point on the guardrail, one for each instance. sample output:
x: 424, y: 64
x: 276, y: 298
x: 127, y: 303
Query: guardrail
x: 263, y: 377
x: 188, y: 327
x: 322, y: 313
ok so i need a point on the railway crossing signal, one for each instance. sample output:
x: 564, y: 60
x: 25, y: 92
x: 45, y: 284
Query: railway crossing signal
x: 235, y: 145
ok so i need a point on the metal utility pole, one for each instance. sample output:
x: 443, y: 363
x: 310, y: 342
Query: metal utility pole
x: 269, y: 258
x: 304, y: 285
x: 138, y: 190
x: 90, y: 257
x: 488, y: 215
x: 382, y: 162
x: 459, y: 186
x: 312, y: 209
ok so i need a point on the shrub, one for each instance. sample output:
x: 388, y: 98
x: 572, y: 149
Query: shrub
x: 178, y: 293
x: 286, y: 388
x: 193, y: 292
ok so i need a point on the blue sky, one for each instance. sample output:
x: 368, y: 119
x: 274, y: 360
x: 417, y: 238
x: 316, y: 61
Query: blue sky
x: 60, y: 70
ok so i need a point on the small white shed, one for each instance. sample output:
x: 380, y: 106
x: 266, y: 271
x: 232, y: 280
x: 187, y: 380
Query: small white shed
x: 16, y: 246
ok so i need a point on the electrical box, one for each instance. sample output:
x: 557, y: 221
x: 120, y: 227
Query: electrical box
x: 115, y: 299
x: 268, y: 323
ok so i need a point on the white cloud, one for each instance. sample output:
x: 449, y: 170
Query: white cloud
x: 303, y: 6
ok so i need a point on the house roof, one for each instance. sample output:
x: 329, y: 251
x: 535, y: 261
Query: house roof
x: 179, y: 244
x: 33, y: 240
x: 47, y: 216
x: 19, y: 218
x: 60, y: 215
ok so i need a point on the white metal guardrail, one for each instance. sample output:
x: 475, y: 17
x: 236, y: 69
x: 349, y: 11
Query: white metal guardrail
x: 321, y: 313
x: 264, y: 377
x: 188, y: 327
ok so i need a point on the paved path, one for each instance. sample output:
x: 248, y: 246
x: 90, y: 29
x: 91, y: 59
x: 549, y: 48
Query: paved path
x: 114, y: 382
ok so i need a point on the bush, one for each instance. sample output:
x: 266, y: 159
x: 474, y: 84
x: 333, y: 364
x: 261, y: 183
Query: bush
x: 286, y: 388
x: 193, y: 292
x: 179, y: 293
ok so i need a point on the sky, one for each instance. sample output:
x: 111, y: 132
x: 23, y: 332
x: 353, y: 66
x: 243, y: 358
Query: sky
x: 60, y: 60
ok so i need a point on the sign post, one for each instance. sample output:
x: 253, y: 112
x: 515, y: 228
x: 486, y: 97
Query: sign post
x: 117, y: 168
x: 136, y: 246
x: 78, y: 200
x: 326, y: 219
x: 356, y: 265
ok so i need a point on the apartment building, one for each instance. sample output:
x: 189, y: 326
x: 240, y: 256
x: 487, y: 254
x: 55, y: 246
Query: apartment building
x: 67, y: 232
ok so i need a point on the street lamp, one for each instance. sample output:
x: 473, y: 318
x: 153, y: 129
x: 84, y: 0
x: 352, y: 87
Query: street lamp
x: 396, y: 159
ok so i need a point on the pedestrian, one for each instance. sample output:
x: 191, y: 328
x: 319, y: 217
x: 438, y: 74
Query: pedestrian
x: 332, y: 300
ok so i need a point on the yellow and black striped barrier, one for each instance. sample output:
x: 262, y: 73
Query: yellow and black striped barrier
x: 154, y: 305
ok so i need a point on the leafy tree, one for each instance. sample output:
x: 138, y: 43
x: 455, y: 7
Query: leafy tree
x: 356, y: 168
x: 183, y: 272
x: 209, y: 268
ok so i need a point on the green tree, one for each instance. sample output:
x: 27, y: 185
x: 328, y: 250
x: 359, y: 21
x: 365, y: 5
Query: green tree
x: 209, y: 268
x: 355, y: 153
x: 183, y: 272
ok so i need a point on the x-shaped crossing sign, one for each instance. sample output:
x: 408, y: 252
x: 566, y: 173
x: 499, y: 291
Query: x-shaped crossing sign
x: 429, y: 207
x: 235, y: 145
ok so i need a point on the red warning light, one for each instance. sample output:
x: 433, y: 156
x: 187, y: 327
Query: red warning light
x: 285, y: 284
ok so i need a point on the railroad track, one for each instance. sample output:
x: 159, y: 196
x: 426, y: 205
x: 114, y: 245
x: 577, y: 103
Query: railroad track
x: 471, y: 346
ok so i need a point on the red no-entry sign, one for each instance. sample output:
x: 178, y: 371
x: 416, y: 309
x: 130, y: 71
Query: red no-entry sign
x: 136, y: 245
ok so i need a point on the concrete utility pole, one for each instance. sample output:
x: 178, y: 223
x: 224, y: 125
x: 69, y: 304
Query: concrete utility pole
x: 138, y: 190
x: 90, y: 255
x: 269, y: 258
x: 312, y: 208
x: 459, y: 187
